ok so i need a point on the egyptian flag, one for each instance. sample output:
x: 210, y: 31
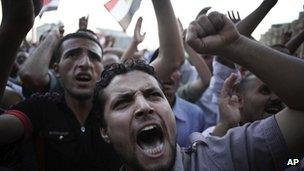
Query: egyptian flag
x: 123, y: 10
x: 49, y: 5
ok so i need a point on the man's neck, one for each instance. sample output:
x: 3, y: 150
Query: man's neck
x: 80, y: 108
x: 172, y: 101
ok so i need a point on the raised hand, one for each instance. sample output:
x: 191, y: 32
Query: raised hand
x: 212, y: 33
x: 233, y: 18
x: 137, y: 37
x: 83, y: 22
x: 229, y: 104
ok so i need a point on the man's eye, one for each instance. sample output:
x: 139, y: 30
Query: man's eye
x: 120, y: 105
x: 264, y: 90
x: 95, y: 56
x: 155, y: 95
x: 71, y: 54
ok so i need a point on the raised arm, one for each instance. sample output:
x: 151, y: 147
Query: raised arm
x: 198, y: 86
x: 293, y: 44
x: 248, y: 24
x: 171, y: 54
x: 137, y: 39
x: 17, y: 20
x: 34, y: 73
x: 216, y: 34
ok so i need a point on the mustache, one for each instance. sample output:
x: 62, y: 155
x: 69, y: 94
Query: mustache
x: 274, y: 104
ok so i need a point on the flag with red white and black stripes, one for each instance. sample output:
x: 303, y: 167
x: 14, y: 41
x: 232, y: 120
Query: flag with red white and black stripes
x: 49, y: 5
x: 123, y: 10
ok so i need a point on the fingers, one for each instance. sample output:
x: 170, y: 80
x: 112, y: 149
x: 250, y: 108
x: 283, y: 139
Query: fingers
x: 229, y: 15
x: 203, y: 11
x: 194, y: 35
x: 238, y: 14
x: 139, y: 22
x: 206, y: 25
x: 217, y: 20
x: 37, y: 6
x: 138, y: 26
x: 233, y: 15
x: 228, y: 85
x: 201, y: 34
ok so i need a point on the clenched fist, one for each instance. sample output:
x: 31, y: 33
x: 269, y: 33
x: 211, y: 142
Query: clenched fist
x: 211, y: 34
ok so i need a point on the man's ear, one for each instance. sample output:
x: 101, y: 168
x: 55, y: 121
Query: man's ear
x: 104, y: 135
x: 56, y: 69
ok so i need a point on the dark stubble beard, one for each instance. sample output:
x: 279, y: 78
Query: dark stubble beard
x: 133, y: 162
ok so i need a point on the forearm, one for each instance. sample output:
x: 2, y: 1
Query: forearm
x: 272, y: 67
x: 35, y: 70
x: 129, y: 53
x: 171, y: 54
x: 293, y: 44
x: 200, y: 66
x: 249, y: 24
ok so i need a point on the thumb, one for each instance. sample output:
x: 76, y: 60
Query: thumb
x: 228, y: 85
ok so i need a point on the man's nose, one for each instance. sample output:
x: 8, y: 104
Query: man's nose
x: 84, y: 61
x: 274, y: 97
x: 142, y: 107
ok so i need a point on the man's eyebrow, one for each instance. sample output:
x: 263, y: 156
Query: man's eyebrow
x: 151, y: 89
x: 66, y: 52
x: 124, y: 94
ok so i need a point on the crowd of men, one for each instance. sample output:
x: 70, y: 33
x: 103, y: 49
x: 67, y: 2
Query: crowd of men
x: 209, y: 98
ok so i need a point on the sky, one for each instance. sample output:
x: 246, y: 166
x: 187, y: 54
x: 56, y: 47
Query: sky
x: 70, y: 10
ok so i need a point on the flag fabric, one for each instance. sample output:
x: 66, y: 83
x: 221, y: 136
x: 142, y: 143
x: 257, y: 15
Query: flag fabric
x: 49, y: 5
x: 123, y: 10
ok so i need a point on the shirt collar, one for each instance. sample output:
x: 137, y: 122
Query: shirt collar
x: 177, y: 109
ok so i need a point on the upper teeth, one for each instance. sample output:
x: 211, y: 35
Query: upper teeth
x: 147, y: 128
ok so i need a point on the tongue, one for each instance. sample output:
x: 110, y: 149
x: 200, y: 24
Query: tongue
x: 150, y: 143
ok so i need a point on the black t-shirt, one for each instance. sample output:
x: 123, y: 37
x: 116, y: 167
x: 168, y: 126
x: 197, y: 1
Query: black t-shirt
x: 66, y: 144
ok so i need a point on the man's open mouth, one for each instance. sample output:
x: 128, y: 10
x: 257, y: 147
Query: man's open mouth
x: 150, y: 140
x: 83, y: 77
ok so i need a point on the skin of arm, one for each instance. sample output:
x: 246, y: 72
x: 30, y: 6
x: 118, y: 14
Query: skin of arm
x: 248, y: 24
x: 215, y: 34
x: 293, y: 44
x: 137, y: 39
x: 198, y: 86
x: 17, y: 20
x: 171, y: 54
x: 34, y: 73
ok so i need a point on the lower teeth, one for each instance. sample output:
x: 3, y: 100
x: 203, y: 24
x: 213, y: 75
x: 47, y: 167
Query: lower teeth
x: 155, y: 150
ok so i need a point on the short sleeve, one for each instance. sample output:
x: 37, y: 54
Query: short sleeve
x: 29, y: 113
x: 256, y: 146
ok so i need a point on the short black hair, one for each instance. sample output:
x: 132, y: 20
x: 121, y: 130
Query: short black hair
x: 85, y: 34
x: 109, y: 73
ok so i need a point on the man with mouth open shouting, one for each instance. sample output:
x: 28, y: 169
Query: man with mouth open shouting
x: 138, y: 121
x: 66, y: 123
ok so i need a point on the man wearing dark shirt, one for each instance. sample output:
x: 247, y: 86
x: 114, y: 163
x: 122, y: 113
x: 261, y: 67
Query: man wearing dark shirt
x: 65, y: 123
